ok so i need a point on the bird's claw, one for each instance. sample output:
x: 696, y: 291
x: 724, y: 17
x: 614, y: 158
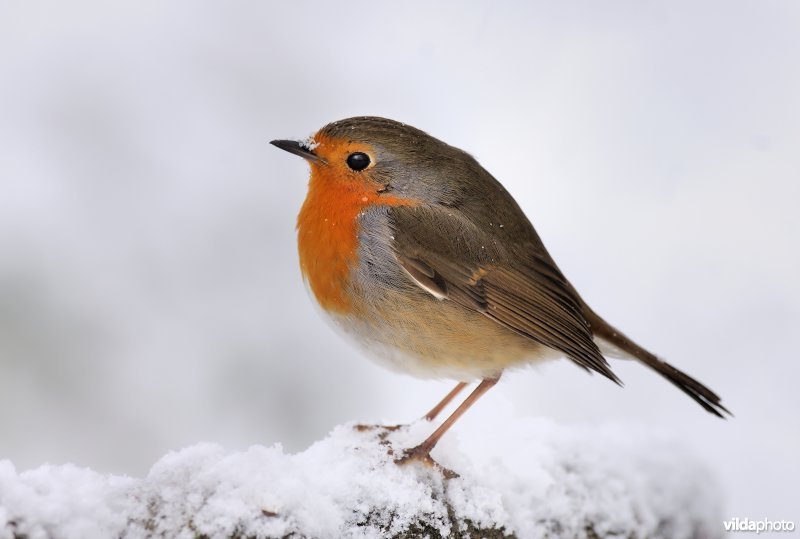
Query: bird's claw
x: 423, y: 455
x: 362, y: 427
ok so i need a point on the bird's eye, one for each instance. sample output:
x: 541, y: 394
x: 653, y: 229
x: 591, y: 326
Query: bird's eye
x: 358, y: 161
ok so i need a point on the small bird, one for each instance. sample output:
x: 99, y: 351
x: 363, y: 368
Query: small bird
x: 419, y: 254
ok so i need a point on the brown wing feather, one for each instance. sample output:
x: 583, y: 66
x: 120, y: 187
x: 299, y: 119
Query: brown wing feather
x: 522, y: 291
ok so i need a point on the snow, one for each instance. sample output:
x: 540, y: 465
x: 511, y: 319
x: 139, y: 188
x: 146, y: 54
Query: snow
x: 309, y: 143
x: 530, y: 477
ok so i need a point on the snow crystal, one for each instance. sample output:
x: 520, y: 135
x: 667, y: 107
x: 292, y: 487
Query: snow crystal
x: 530, y: 477
x: 309, y: 143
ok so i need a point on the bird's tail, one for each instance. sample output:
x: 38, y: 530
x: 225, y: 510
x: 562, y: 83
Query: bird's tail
x: 613, y: 340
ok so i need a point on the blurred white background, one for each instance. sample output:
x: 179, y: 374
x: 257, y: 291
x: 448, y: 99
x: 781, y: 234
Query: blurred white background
x: 150, y: 296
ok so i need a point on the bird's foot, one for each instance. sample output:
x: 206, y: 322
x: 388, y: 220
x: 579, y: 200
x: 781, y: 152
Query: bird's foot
x: 361, y: 427
x: 423, y: 455
x: 383, y: 433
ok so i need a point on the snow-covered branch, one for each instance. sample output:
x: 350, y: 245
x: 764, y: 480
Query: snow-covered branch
x: 519, y: 477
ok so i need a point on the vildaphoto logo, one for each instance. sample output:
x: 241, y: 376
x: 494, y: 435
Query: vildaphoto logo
x: 764, y: 525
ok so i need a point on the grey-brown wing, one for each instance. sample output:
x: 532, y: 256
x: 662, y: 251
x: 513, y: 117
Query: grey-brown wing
x: 510, y: 282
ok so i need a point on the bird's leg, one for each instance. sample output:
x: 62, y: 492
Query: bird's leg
x: 422, y: 452
x: 430, y: 416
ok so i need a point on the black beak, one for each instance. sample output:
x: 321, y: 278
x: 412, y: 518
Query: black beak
x: 297, y: 148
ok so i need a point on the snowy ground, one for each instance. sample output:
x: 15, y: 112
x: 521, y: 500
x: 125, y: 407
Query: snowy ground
x: 523, y: 477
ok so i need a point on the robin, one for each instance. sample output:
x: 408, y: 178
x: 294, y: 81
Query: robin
x: 421, y: 255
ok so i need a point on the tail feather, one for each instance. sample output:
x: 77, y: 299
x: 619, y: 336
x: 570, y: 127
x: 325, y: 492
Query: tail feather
x: 702, y: 395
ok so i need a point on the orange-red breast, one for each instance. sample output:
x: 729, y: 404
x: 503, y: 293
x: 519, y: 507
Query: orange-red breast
x: 417, y: 252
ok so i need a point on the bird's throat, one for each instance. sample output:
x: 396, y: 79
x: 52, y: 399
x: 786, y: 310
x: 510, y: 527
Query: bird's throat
x: 328, y: 234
